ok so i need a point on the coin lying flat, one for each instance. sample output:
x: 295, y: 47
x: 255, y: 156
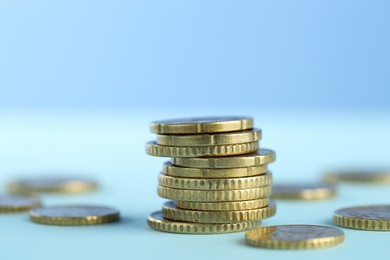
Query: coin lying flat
x: 210, y: 139
x: 213, y: 195
x: 152, y: 148
x: 201, y: 125
x: 204, y: 173
x: 376, y: 217
x: 157, y: 222
x: 360, y: 176
x: 215, y: 184
x: 261, y: 157
x: 17, y: 203
x: 171, y: 212
x: 303, y: 191
x: 294, y: 237
x: 74, y: 215
x: 223, y: 206
x: 52, y: 184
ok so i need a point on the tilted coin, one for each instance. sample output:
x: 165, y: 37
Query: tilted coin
x: 375, y: 217
x: 360, y: 176
x: 261, y: 157
x: 152, y: 148
x: 294, y: 237
x: 17, y: 203
x: 214, y: 195
x: 157, y: 222
x: 312, y: 191
x: 187, y: 172
x: 215, y: 184
x: 200, y: 125
x: 171, y: 212
x: 52, y: 184
x: 74, y: 215
x: 210, y: 139
x: 223, y: 206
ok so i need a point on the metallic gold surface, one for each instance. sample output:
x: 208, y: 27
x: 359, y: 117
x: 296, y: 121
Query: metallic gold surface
x: 187, y: 172
x: 223, y: 206
x: 210, y: 139
x: 294, y: 237
x: 194, y: 151
x: 359, y: 176
x: 52, y: 184
x: 17, y: 203
x: 74, y: 215
x: 200, y: 125
x: 375, y: 217
x: 311, y: 191
x: 157, y: 222
x: 214, y: 196
x: 261, y: 157
x: 171, y: 212
x: 215, y: 184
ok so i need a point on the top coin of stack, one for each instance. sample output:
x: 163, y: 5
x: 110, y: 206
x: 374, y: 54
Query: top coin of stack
x: 218, y: 178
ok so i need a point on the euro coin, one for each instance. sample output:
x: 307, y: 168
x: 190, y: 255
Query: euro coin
x: 17, y: 203
x: 223, y: 206
x: 303, y: 191
x: 201, y: 125
x: 359, y: 176
x: 204, y: 173
x: 261, y: 157
x: 74, y: 215
x: 294, y: 237
x: 376, y: 217
x: 157, y: 222
x: 171, y: 212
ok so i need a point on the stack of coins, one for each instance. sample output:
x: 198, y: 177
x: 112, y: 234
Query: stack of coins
x: 217, y: 180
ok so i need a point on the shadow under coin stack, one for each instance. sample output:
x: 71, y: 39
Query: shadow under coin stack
x: 218, y: 179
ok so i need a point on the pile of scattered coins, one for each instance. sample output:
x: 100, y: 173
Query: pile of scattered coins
x: 217, y: 180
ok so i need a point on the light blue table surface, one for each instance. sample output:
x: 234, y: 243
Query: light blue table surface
x: 110, y: 147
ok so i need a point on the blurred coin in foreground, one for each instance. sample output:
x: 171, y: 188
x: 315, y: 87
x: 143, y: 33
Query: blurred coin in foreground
x: 17, y: 203
x: 314, y: 191
x: 375, y: 217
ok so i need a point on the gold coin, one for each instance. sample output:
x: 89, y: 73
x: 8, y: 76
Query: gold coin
x: 17, y: 203
x: 213, y: 195
x: 193, y: 151
x: 359, y: 176
x: 187, y: 172
x: 215, y: 184
x: 223, y: 206
x: 52, y: 184
x: 303, y: 191
x: 74, y: 215
x: 261, y: 157
x: 201, y: 125
x: 157, y: 222
x: 294, y: 237
x: 171, y: 212
x: 210, y: 139
x: 364, y: 217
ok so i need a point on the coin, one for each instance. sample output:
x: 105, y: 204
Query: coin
x: 200, y: 125
x: 210, y: 139
x: 215, y: 184
x: 360, y: 176
x: 223, y: 206
x: 171, y: 212
x: 294, y: 237
x: 187, y: 172
x: 157, y: 222
x: 312, y: 191
x: 214, y: 196
x: 16, y: 203
x: 52, y: 184
x: 376, y: 217
x: 261, y: 157
x: 74, y: 215
x: 193, y: 151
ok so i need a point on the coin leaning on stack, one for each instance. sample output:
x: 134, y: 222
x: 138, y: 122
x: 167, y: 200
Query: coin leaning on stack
x: 217, y: 180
